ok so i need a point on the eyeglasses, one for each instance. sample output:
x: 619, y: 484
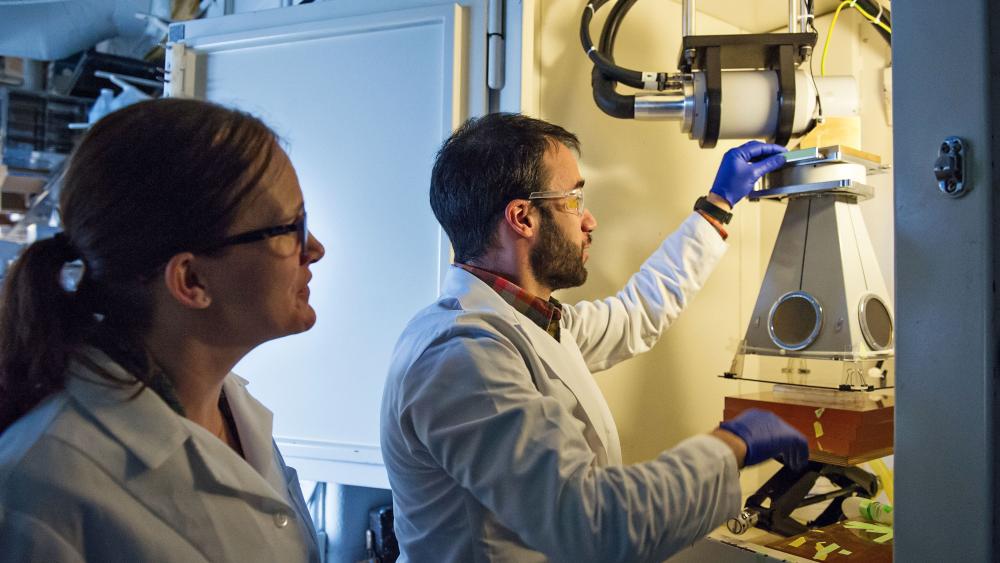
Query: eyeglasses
x: 299, y: 227
x: 574, y: 198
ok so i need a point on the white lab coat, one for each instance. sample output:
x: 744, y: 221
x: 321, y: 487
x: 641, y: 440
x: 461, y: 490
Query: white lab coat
x: 500, y: 447
x: 93, y: 474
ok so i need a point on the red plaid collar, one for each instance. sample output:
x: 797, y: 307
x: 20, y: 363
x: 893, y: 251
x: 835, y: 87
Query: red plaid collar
x: 545, y: 314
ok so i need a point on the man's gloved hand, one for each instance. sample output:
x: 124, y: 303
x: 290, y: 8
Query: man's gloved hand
x: 743, y: 166
x: 767, y: 436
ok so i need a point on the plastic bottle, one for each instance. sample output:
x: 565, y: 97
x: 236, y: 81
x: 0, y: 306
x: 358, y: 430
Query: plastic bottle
x: 129, y: 95
x: 102, y: 105
x: 867, y: 510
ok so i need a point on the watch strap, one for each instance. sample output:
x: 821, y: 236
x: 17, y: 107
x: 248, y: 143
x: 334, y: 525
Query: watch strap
x: 703, y: 205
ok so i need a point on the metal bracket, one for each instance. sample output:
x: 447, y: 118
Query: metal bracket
x: 495, y: 61
x: 949, y: 168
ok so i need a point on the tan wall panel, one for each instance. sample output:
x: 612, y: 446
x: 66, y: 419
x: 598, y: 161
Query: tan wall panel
x: 642, y: 179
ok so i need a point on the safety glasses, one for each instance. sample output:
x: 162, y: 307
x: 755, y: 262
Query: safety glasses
x: 574, y: 198
x: 299, y: 227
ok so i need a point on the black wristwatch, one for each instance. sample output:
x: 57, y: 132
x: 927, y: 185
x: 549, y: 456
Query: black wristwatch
x: 713, y: 211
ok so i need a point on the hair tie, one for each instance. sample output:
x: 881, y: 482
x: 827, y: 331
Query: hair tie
x: 69, y: 251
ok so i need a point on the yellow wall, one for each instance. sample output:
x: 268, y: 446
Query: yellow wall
x: 642, y: 179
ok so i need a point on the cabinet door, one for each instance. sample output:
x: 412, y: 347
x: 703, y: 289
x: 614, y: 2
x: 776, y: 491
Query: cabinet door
x: 362, y: 94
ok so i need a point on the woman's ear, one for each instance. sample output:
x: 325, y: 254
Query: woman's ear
x: 520, y: 218
x: 184, y: 283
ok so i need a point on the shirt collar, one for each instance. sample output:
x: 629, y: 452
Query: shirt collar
x: 134, y: 415
x: 545, y: 314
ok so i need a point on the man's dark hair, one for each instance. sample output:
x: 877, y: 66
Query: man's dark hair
x: 486, y: 163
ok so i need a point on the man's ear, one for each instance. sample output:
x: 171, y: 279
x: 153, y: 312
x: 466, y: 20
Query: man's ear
x: 184, y: 283
x: 521, y: 218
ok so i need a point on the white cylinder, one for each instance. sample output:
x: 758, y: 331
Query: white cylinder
x: 750, y: 102
x: 839, y: 95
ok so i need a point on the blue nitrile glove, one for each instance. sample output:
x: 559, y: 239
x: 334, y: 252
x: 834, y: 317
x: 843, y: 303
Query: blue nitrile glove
x: 768, y: 436
x: 743, y: 166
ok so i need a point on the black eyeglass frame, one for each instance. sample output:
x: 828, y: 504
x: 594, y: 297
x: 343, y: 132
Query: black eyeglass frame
x: 300, y: 227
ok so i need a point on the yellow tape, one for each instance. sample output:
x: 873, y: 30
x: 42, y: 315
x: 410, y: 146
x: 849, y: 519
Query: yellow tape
x: 819, y: 412
x: 871, y: 529
x: 823, y: 550
x: 799, y: 542
x: 818, y: 428
x: 844, y: 552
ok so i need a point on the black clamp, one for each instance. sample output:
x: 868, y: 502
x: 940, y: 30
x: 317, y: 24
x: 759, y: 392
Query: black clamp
x: 714, y: 53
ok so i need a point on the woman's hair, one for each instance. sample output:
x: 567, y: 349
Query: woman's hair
x: 146, y: 182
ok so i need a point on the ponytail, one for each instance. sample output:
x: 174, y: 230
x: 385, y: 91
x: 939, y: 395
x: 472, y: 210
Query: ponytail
x: 40, y: 324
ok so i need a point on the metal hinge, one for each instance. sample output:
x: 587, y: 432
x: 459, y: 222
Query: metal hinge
x: 495, y: 52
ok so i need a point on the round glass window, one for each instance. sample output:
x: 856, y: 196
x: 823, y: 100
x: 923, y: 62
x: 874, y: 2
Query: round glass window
x: 876, y: 322
x: 795, y: 320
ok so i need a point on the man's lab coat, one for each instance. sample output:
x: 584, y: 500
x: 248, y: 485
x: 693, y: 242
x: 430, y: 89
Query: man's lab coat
x: 500, y: 447
x: 93, y: 474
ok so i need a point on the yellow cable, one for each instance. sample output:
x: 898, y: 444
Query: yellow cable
x: 833, y: 22
x: 829, y: 34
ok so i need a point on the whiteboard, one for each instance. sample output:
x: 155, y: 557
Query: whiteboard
x: 362, y: 103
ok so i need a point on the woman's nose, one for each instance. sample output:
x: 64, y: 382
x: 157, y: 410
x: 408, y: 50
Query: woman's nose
x: 314, y: 250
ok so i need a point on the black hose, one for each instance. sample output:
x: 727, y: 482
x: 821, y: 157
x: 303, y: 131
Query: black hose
x: 607, y: 67
x: 611, y: 26
x: 609, y: 100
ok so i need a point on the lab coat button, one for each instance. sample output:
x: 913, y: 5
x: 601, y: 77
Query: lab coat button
x: 280, y: 519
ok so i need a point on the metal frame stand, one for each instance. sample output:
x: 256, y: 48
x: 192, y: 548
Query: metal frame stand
x: 787, y: 491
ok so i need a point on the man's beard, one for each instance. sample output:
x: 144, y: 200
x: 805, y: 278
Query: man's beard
x: 556, y: 262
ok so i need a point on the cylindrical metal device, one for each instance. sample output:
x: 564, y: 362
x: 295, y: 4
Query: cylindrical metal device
x: 676, y: 104
x: 750, y: 103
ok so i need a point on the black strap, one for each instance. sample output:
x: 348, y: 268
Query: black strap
x: 713, y: 211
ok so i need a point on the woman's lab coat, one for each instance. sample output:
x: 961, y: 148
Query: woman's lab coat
x: 500, y: 446
x: 93, y: 474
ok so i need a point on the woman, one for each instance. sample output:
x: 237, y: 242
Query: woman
x: 125, y: 435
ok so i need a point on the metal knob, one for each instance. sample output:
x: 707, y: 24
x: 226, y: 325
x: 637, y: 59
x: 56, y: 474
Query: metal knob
x: 744, y: 521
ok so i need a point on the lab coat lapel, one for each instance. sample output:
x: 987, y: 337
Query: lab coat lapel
x: 154, y: 434
x: 151, y: 437
x: 565, y: 362
x: 563, y: 359
x: 254, y: 424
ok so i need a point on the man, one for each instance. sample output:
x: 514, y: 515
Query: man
x: 498, y: 443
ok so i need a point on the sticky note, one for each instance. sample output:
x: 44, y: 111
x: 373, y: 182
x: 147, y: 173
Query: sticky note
x: 818, y: 428
x: 844, y: 552
x: 886, y: 531
x: 823, y: 550
x: 798, y: 542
